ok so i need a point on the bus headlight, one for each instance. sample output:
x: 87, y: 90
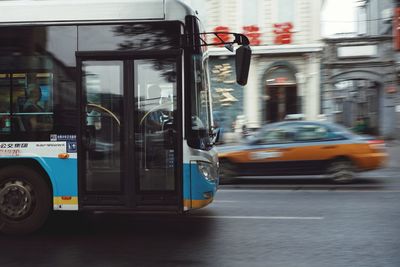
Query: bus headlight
x: 208, y: 170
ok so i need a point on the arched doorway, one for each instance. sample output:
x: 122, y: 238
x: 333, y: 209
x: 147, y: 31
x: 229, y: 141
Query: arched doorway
x: 280, y: 93
x: 356, y: 104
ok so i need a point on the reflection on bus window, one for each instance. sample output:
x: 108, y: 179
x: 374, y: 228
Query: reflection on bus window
x: 34, y: 109
x: 26, y: 102
x: 156, y: 104
x: 201, y: 108
x: 5, y: 123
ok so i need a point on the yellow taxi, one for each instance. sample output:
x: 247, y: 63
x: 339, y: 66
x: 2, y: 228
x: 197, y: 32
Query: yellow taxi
x: 302, y: 148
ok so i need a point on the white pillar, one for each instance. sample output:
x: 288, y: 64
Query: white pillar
x: 312, y: 90
x: 252, y: 97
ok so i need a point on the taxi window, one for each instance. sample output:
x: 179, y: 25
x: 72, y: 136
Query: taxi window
x: 311, y: 132
x: 280, y: 135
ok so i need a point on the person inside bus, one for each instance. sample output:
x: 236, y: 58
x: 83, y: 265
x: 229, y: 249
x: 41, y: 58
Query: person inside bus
x: 36, y: 122
x: 156, y: 121
x: 157, y: 116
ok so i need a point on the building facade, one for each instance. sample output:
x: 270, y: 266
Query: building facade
x: 359, y: 83
x: 359, y: 78
x: 396, y: 46
x: 285, y: 72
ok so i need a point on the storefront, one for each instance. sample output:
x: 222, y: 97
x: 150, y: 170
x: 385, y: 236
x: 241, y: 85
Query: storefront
x: 280, y: 92
x: 359, y: 85
x: 283, y: 80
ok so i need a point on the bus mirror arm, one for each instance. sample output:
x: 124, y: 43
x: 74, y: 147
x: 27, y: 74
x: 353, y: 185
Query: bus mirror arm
x: 243, y: 53
x: 219, y: 39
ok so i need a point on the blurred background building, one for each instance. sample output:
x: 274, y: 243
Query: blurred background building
x: 396, y: 46
x: 285, y: 70
x: 348, y: 78
x: 359, y: 74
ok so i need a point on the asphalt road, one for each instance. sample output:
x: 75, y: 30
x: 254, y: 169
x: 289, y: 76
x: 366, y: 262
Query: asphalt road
x: 243, y: 227
x: 252, y: 222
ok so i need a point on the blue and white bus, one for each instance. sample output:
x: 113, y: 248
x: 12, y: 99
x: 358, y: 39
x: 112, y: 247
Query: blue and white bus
x: 105, y: 105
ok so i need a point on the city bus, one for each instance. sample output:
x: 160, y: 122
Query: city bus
x: 105, y: 106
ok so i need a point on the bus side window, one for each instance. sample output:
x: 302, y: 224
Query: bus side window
x: 40, y: 120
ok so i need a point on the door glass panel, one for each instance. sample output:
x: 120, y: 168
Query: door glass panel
x: 103, y: 86
x: 155, y: 127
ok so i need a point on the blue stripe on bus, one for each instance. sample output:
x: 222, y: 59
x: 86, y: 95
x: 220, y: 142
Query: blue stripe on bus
x: 194, y: 184
x: 186, y: 181
x: 63, y: 175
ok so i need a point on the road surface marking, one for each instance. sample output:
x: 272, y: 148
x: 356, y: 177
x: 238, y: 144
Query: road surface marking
x: 260, y: 217
x: 302, y: 190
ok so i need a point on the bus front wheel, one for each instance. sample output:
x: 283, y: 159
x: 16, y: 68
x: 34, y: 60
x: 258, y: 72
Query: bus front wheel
x: 24, y: 200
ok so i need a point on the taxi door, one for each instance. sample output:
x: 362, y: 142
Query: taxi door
x: 272, y: 154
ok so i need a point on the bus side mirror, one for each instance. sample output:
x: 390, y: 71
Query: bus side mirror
x: 243, y: 56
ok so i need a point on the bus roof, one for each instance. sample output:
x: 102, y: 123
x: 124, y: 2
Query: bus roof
x: 88, y: 11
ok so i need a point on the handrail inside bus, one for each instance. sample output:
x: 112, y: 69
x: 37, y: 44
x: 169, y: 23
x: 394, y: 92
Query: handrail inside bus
x: 161, y: 106
x: 106, y: 110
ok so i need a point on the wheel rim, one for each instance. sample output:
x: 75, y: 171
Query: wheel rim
x: 16, y: 199
x: 341, y: 172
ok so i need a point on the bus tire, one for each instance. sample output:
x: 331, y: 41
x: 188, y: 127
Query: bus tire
x: 25, y: 200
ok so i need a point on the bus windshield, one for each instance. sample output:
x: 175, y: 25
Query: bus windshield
x: 200, y: 123
x: 201, y: 110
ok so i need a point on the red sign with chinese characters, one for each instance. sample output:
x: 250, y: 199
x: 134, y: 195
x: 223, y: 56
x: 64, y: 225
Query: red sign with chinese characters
x: 253, y: 33
x: 222, y: 37
x: 283, y: 33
